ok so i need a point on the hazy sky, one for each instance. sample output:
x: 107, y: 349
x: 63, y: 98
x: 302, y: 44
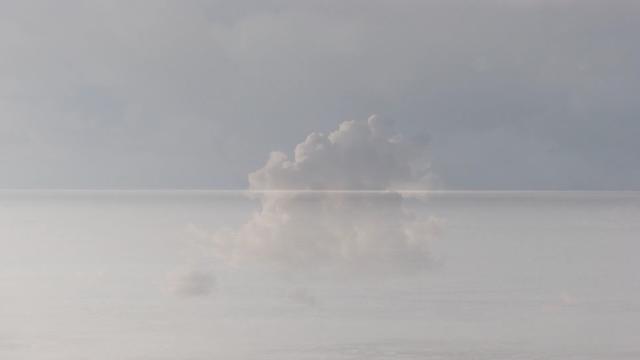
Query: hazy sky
x: 508, y: 94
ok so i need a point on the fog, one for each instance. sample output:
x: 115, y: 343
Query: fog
x: 139, y: 275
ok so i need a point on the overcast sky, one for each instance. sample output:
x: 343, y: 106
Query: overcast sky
x: 508, y: 94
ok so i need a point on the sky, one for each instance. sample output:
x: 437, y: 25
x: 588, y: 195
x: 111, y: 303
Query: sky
x: 505, y: 94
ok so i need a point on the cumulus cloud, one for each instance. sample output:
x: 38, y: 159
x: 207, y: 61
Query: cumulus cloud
x: 334, y: 226
x: 359, y: 155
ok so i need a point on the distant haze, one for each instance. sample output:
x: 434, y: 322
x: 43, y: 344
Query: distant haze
x: 133, y: 276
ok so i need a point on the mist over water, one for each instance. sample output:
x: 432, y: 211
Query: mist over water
x: 140, y: 275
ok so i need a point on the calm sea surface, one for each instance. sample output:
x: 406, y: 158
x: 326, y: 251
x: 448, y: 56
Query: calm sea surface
x: 511, y: 275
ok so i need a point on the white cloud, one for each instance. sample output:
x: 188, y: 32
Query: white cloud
x: 344, y: 231
x: 359, y: 155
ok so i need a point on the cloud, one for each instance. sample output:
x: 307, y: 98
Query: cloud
x: 339, y: 230
x: 359, y: 155
x: 191, y: 282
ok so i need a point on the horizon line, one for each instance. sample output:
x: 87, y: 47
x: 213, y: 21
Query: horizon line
x: 301, y: 191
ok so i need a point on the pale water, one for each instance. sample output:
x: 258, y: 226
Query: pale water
x: 89, y: 275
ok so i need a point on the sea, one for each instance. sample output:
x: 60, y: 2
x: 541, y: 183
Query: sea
x: 138, y: 275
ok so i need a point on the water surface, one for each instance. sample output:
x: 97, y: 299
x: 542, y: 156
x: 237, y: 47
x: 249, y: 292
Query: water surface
x: 516, y: 275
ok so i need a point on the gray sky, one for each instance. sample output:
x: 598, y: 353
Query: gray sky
x: 510, y: 94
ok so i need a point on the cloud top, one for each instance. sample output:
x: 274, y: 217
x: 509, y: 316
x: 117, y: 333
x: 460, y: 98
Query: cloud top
x: 359, y: 155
